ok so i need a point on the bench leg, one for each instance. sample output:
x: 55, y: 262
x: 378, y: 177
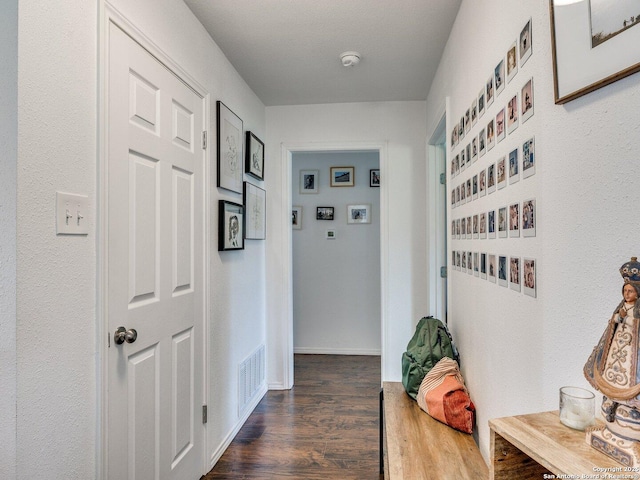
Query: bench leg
x: 381, y: 431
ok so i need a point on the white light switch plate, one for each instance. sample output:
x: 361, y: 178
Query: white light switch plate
x: 72, y: 214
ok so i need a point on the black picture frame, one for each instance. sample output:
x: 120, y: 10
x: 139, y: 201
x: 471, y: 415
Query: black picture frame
x: 230, y: 226
x: 325, y: 213
x: 374, y: 177
x: 230, y: 145
x: 254, y: 156
x: 255, y: 220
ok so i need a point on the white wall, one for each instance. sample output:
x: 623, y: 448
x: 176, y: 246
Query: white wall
x: 336, y: 282
x: 58, y: 387
x: 401, y: 127
x: 518, y: 351
x: 8, y: 154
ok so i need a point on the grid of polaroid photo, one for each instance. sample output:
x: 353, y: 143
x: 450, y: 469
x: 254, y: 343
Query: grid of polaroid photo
x: 491, y: 119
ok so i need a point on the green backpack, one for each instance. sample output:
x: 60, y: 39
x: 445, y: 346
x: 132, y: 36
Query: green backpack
x: 431, y: 342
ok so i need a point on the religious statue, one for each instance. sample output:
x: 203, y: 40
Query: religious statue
x: 614, y: 370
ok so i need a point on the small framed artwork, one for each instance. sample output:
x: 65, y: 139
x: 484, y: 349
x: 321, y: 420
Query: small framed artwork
x: 529, y: 218
x: 529, y: 276
x: 324, y: 213
x: 502, y: 271
x: 481, y: 103
x: 474, y: 182
x: 342, y: 176
x: 594, y: 44
x: 469, y: 159
x: 374, y: 176
x: 491, y: 137
x: 469, y: 227
x: 491, y: 223
x: 476, y: 227
x: 482, y: 227
x: 482, y: 183
x: 309, y: 180
x: 512, y: 114
x: 514, y: 220
x: 502, y: 222
x: 359, y: 213
x: 469, y: 198
x: 296, y: 217
x: 514, y: 167
x: 474, y: 111
x: 525, y: 43
x: 514, y: 273
x: 500, y: 126
x: 230, y: 226
x: 490, y: 92
x: 482, y: 142
x: 512, y: 62
x: 491, y: 178
x: 491, y: 268
x: 254, y: 156
x: 498, y: 73
x: 474, y: 149
x: 528, y: 158
x: 502, y: 173
x: 463, y: 228
x: 331, y: 235
x: 255, y: 201
x: 526, y: 97
x: 229, y: 149
x: 467, y: 121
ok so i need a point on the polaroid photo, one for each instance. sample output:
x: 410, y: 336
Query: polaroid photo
x: 481, y: 103
x: 463, y: 264
x: 526, y: 47
x: 463, y: 228
x: 461, y: 129
x: 502, y: 271
x: 482, y: 182
x: 491, y: 135
x: 453, y: 198
x: 469, y: 237
x: 483, y: 266
x: 491, y: 223
x: 476, y: 227
x: 529, y: 218
x: 491, y: 178
x: 476, y: 264
x: 512, y: 61
x: 514, y: 167
x: 463, y: 194
x: 469, y: 264
x: 452, y: 171
x: 502, y: 222
x: 529, y: 277
x: 526, y: 97
x: 458, y: 234
x: 474, y: 111
x: 498, y: 74
x: 475, y: 187
x: 463, y: 159
x: 458, y: 261
x: 469, y: 190
x: 468, y: 148
x: 501, y: 173
x: 454, y: 137
x: 474, y: 149
x: 500, y: 126
x: 456, y: 161
x: 482, y: 227
x: 467, y: 121
x: 491, y: 268
x: 512, y: 114
x: 528, y: 158
x: 482, y: 140
x: 453, y: 229
x: 514, y: 220
x: 489, y: 92
x: 453, y: 259
x: 514, y: 273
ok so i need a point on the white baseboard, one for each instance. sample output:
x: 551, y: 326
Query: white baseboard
x: 335, y: 351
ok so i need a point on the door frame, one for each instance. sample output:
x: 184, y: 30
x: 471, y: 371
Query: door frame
x: 108, y: 15
x: 287, y: 151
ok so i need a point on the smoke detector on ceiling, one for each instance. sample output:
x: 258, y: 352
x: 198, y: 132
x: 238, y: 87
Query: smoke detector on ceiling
x: 350, y: 59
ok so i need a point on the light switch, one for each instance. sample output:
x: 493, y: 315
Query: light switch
x: 72, y: 214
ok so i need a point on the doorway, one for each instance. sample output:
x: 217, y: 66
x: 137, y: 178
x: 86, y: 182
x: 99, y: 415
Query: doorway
x: 336, y: 253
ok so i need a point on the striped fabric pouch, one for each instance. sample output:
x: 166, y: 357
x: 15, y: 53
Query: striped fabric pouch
x: 442, y: 395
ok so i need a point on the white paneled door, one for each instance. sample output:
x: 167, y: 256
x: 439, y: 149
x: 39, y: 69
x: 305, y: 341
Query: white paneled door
x: 155, y: 302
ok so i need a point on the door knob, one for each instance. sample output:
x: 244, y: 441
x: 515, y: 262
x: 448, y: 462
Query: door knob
x: 123, y: 335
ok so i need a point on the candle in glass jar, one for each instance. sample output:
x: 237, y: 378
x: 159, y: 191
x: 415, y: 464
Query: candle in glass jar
x: 576, y: 407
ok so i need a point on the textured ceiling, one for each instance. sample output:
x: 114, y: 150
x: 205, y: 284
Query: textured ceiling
x: 288, y: 50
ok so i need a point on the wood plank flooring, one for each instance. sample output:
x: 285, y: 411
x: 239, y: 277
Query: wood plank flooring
x: 326, y: 427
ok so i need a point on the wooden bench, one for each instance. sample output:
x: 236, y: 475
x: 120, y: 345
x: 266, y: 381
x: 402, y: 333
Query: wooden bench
x: 418, y: 447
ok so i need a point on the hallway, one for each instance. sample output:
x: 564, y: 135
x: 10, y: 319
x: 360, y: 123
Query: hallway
x: 326, y: 427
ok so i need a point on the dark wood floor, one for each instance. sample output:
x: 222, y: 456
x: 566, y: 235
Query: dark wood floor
x: 326, y: 427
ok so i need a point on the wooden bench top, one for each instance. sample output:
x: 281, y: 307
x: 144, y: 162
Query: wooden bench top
x: 419, y: 447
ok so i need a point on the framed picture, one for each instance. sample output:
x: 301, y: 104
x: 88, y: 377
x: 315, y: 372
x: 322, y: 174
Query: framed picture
x: 502, y: 271
x: 528, y: 158
x: 529, y: 276
x: 331, y: 235
x: 230, y: 226
x: 342, y: 176
x: 525, y: 43
x: 324, y: 213
x: 229, y: 149
x: 512, y: 62
x: 594, y: 44
x: 514, y: 273
x: 374, y: 177
x: 309, y: 181
x: 296, y: 218
x: 254, y: 157
x: 359, y: 213
x: 255, y: 201
x: 526, y: 99
x: 529, y: 218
